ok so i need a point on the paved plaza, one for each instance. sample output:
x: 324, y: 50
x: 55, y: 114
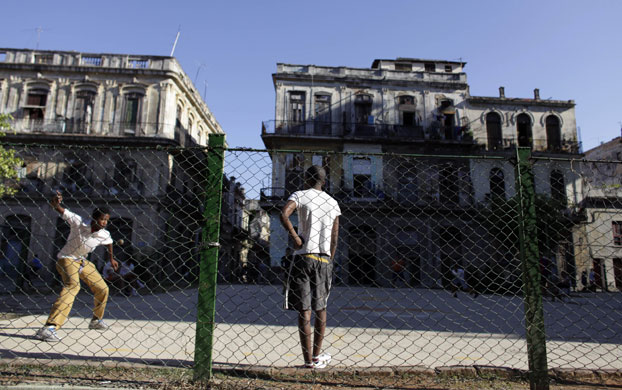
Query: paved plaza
x: 368, y: 327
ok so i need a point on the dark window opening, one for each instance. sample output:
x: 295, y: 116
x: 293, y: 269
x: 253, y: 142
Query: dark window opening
x: 448, y: 68
x: 408, y: 119
x: 363, y: 117
x: 35, y: 104
x: 497, y: 184
x: 132, y: 111
x: 553, y: 133
x: 449, y: 190
x: 448, y: 111
x: 403, y: 67
x: 617, y: 272
x: 14, y: 247
x: 617, y: 232
x: 407, y: 190
x: 430, y: 67
x: 125, y: 174
x: 362, y: 186
x: 83, y: 111
x: 296, y: 107
x: 362, y: 109
x: 558, y: 186
x: 493, y: 131
x: 523, y: 128
x: 75, y: 177
x: 322, y: 120
x: 362, y: 256
x: 450, y: 240
x: 178, y: 123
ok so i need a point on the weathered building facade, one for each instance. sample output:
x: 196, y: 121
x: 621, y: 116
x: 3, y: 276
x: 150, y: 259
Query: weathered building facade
x: 100, y: 128
x: 599, y: 237
x: 396, y: 207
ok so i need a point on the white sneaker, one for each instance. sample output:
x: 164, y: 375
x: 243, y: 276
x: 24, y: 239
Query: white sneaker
x: 47, y: 333
x: 98, y: 324
x: 321, y: 361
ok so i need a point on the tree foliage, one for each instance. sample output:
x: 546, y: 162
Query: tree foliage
x: 501, y: 220
x: 553, y: 226
x: 9, y: 162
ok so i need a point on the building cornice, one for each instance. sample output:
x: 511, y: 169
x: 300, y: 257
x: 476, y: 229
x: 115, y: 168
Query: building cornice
x: 498, y: 101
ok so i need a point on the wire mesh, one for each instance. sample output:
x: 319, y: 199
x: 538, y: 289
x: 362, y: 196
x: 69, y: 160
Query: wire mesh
x: 427, y: 270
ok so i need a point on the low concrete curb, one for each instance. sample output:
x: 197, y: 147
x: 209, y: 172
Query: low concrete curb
x: 560, y: 375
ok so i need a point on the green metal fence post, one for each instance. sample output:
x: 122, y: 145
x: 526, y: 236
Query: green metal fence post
x: 530, y: 264
x: 206, y: 308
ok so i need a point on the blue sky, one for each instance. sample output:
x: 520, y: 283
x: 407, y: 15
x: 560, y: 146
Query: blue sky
x: 569, y: 49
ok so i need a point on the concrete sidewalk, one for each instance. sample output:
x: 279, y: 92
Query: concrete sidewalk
x: 159, y: 329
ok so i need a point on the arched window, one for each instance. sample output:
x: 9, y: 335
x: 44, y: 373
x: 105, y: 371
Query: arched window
x: 190, y: 125
x: 407, y: 111
x: 83, y: 111
x: 35, y: 104
x: 322, y: 119
x: 497, y: 184
x: 553, y: 133
x: 523, y: 129
x: 132, y: 111
x: 558, y: 186
x: 178, y: 122
x: 493, y: 131
x: 362, y: 108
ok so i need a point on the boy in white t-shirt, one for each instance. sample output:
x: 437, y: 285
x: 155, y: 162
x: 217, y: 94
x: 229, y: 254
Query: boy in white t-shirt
x: 73, y: 266
x: 310, y: 275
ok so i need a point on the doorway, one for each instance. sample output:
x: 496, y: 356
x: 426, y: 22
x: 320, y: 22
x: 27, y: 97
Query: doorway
x: 362, y: 259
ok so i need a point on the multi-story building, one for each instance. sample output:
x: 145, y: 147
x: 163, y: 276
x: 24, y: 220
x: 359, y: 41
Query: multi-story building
x: 396, y: 207
x: 101, y: 129
x: 599, y: 237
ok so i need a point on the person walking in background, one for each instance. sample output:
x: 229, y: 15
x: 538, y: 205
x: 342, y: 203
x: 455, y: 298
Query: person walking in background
x: 311, y: 272
x: 459, y: 282
x: 73, y: 266
x: 584, y: 281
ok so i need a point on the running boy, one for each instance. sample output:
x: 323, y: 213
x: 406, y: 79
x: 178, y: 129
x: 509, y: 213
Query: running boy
x: 311, y: 272
x: 72, y: 266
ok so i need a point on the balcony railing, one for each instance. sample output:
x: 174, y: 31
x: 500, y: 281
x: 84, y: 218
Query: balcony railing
x: 74, y: 126
x: 365, y: 130
x: 537, y: 145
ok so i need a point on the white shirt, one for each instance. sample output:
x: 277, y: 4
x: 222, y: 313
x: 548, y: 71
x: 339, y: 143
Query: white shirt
x: 81, y: 241
x: 316, y: 214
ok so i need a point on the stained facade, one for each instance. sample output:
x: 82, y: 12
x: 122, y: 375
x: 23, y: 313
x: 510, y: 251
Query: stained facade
x: 107, y: 121
x: 413, y: 208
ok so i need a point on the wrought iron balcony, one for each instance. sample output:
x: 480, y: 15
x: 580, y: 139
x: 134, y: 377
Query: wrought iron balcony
x: 362, y: 130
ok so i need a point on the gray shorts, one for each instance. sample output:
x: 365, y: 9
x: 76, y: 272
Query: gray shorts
x: 309, y: 282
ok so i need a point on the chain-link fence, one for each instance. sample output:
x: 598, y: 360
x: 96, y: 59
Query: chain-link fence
x: 506, y: 260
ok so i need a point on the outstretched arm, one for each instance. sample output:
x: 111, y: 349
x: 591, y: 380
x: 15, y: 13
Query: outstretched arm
x: 334, y: 236
x: 113, y: 262
x: 55, y: 203
x: 287, y: 211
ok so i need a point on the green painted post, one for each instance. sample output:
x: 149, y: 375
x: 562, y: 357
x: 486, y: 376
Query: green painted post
x: 206, y: 308
x: 530, y: 264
